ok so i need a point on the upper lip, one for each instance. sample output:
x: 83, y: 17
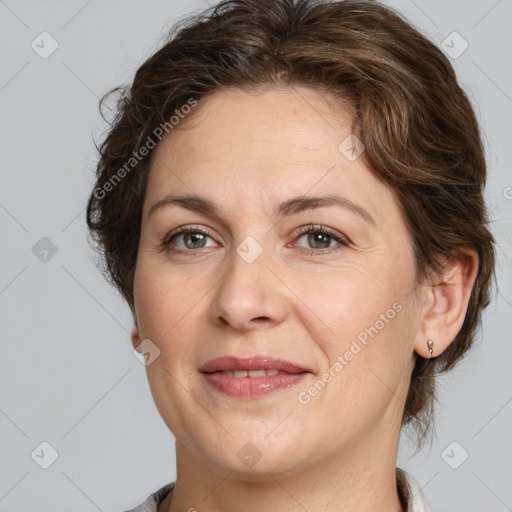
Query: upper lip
x: 250, y: 363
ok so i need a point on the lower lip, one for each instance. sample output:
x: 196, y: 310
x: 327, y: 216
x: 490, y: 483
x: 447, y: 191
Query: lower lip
x: 252, y: 387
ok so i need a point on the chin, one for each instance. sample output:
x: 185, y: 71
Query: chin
x: 253, y: 457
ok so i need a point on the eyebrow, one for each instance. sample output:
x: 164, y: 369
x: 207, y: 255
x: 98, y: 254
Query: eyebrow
x: 292, y: 206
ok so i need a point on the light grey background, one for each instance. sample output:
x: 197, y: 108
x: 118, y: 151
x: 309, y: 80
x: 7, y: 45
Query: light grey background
x: 68, y: 374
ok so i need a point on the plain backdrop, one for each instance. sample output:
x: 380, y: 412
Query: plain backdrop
x: 68, y: 375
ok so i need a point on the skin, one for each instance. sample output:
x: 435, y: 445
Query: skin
x: 247, y: 152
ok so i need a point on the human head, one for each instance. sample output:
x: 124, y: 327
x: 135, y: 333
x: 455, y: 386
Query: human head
x: 419, y: 130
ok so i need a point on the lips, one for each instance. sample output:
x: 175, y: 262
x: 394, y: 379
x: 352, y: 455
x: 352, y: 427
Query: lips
x: 255, y: 366
x: 250, y: 378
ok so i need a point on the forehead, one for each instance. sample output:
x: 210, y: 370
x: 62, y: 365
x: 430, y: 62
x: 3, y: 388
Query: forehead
x: 270, y: 144
x: 285, y: 115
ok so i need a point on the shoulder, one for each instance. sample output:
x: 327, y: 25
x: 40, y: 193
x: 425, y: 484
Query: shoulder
x: 408, y: 489
x: 152, y: 501
x: 411, y: 492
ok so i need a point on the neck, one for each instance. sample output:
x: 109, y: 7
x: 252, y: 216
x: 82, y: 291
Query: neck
x: 357, y: 479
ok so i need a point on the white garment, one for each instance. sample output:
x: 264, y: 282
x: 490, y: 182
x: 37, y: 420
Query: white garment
x: 408, y: 488
x: 412, y: 493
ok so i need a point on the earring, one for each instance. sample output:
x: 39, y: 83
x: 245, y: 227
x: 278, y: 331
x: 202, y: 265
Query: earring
x: 430, y: 344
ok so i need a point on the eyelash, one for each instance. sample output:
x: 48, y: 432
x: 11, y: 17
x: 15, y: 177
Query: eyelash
x: 302, y: 231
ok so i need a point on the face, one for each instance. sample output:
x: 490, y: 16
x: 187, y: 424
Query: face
x: 325, y: 285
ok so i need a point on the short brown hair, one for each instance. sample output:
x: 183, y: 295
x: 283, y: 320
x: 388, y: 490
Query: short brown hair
x: 418, y: 126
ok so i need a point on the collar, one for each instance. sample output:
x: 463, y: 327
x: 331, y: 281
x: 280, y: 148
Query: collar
x: 411, y: 495
x: 409, y: 491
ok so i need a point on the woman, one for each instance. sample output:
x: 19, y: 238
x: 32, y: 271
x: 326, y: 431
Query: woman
x: 290, y: 200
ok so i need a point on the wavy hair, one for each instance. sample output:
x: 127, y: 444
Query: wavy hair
x: 420, y: 131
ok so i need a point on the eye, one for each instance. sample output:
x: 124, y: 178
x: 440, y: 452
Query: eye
x: 320, y: 238
x: 191, y: 237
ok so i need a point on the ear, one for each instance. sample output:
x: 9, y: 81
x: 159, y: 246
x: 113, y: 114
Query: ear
x: 136, y: 341
x: 446, y: 303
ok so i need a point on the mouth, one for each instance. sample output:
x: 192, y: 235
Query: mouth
x: 252, y: 373
x: 252, y: 367
x: 251, y: 377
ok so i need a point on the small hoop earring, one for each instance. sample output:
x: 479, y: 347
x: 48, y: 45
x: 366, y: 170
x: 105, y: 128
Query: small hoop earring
x: 430, y: 344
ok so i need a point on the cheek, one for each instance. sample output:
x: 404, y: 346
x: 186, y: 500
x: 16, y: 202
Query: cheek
x: 365, y: 315
x: 161, y: 300
x: 349, y: 299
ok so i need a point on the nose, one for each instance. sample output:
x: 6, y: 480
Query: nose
x: 250, y: 295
